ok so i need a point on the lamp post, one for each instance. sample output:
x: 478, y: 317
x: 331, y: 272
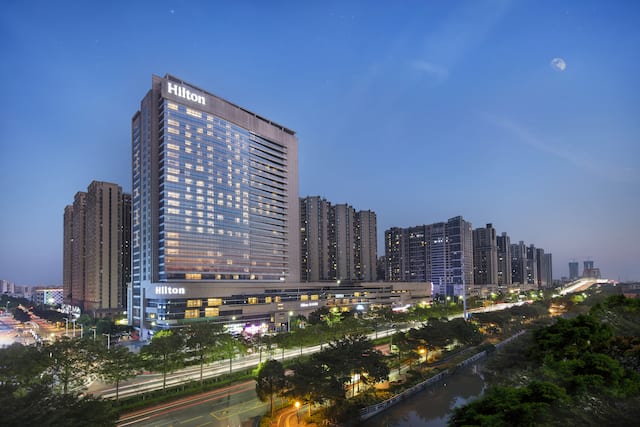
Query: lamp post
x: 74, y: 327
x: 93, y: 328
x: 108, y: 341
x: 289, y: 321
x: 297, y: 405
x: 66, y: 326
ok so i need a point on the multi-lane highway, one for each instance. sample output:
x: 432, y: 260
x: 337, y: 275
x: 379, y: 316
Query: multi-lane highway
x: 236, y: 405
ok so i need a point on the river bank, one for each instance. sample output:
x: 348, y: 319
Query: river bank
x: 438, y: 381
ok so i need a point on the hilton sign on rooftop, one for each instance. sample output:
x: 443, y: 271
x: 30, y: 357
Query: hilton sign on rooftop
x: 183, y: 92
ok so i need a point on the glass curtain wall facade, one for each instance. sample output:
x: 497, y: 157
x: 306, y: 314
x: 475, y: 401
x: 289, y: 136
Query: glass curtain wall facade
x: 213, y: 186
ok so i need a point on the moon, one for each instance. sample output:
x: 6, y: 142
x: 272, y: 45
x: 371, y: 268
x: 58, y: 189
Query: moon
x: 558, y: 64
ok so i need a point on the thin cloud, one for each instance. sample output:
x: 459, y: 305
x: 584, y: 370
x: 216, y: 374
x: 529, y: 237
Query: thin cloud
x: 592, y: 165
x: 430, y: 68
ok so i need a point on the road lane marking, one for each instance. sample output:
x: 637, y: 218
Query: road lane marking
x: 133, y: 422
x: 222, y: 414
x: 190, y: 419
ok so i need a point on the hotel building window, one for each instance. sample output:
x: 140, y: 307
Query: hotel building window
x: 191, y: 314
x: 211, y: 312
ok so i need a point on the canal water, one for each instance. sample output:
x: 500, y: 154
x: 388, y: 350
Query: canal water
x: 433, y: 406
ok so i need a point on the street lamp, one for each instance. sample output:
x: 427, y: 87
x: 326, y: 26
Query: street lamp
x: 94, y: 332
x: 66, y: 326
x: 297, y: 405
x: 108, y: 341
x: 289, y: 321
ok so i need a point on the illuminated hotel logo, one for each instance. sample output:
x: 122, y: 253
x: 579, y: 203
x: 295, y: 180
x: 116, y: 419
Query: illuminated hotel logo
x: 169, y: 290
x: 185, y: 93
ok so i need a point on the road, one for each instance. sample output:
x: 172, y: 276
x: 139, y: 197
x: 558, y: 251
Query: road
x: 150, y: 382
x: 581, y: 285
x: 290, y: 417
x: 236, y: 405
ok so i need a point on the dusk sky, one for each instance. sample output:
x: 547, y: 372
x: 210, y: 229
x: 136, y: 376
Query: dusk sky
x: 524, y: 114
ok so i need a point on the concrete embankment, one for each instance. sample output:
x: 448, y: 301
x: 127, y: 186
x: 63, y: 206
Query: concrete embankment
x: 370, y: 411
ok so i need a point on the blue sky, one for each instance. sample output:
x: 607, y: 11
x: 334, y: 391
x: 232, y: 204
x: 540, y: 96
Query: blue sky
x: 418, y: 110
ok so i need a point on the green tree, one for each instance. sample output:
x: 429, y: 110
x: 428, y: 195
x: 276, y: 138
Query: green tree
x: 270, y: 381
x: 354, y: 354
x: 70, y: 361
x: 20, y: 315
x: 285, y: 340
x: 201, y: 339
x: 23, y: 366
x: 567, y: 339
x: 408, y: 344
x: 164, y: 353
x: 86, y: 321
x: 105, y: 326
x: 118, y: 364
x: 310, y: 382
x: 318, y: 316
x: 508, y: 406
x: 228, y: 347
x: 42, y: 407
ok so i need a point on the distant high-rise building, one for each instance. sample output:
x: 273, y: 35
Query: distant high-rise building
x: 215, y: 207
x: 336, y: 242
x: 341, y: 251
x: 460, y: 236
x: 67, y: 255
x: 504, y: 259
x: 588, y: 266
x: 544, y: 269
x: 366, y: 245
x: 7, y: 287
x: 519, y: 263
x: 78, y: 252
x: 485, y: 256
x: 380, y: 272
x: 96, y: 235
x: 548, y: 270
x: 125, y: 247
x: 440, y: 253
x: 531, y: 266
x: 314, y: 239
x: 590, y: 271
x: 574, y: 273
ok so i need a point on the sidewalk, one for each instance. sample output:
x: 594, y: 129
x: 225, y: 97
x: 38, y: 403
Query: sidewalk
x: 290, y: 417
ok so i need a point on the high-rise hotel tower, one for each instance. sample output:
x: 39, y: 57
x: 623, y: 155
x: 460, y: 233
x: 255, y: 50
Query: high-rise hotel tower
x: 214, y: 206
